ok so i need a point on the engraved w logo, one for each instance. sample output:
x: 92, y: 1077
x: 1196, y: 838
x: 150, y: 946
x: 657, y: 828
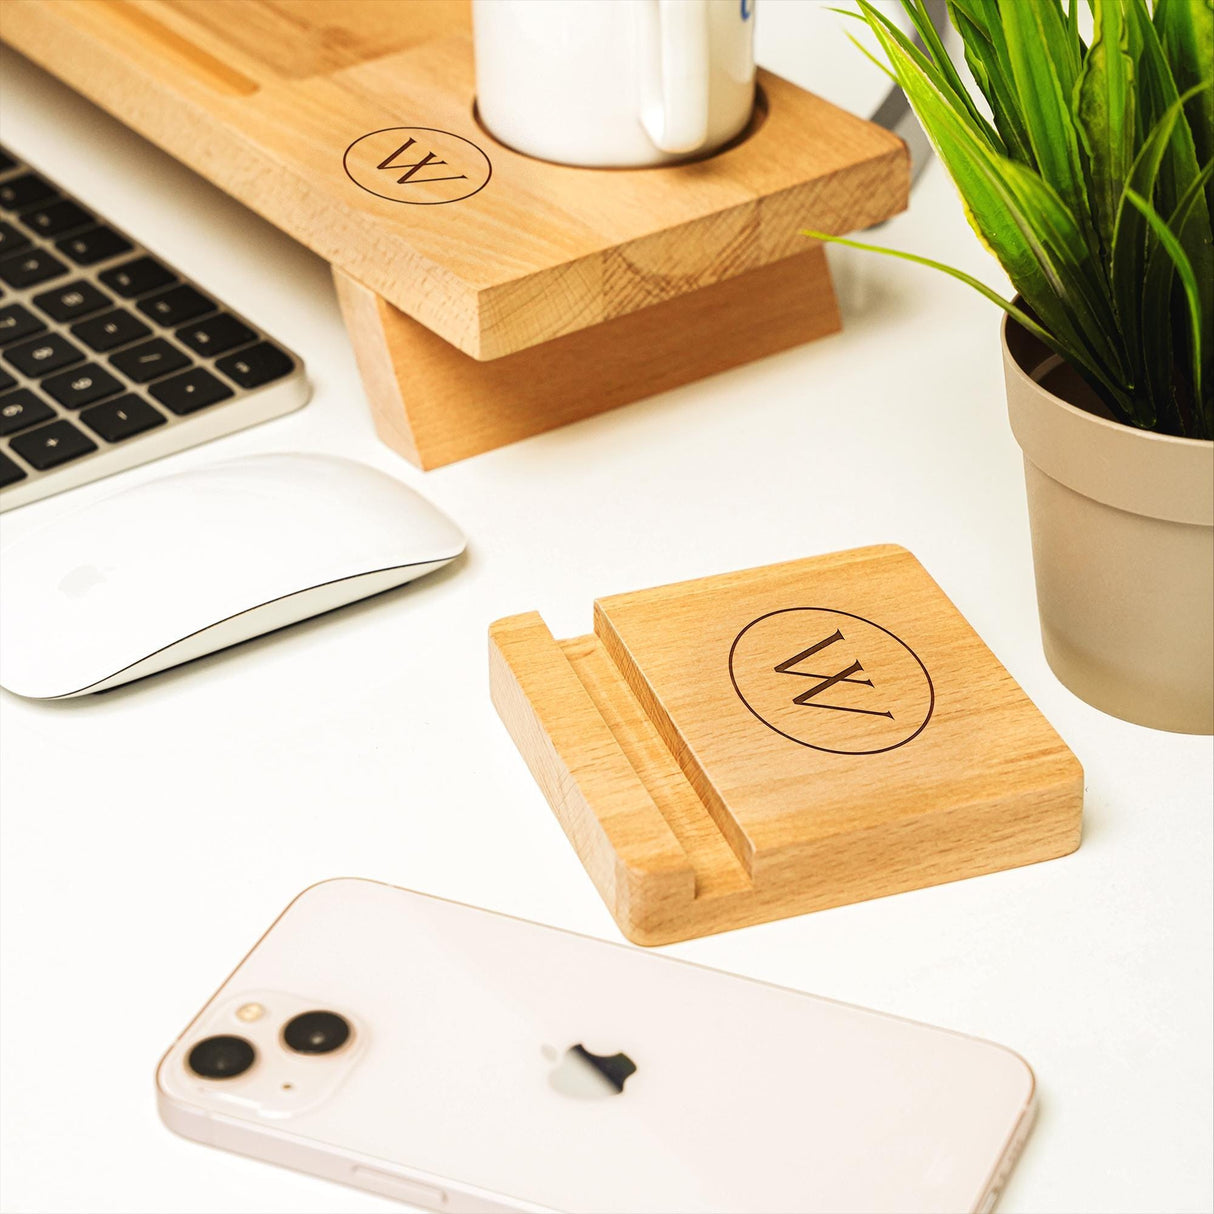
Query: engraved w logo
x: 827, y: 681
x: 428, y: 158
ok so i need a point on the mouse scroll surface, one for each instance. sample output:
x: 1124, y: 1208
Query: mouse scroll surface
x: 177, y: 560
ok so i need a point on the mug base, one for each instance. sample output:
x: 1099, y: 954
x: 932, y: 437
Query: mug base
x: 636, y: 153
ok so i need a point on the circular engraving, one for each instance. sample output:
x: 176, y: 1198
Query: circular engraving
x: 831, y: 680
x: 417, y: 164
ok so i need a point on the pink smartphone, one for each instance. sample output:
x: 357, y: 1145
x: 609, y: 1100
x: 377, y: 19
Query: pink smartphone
x: 461, y: 1060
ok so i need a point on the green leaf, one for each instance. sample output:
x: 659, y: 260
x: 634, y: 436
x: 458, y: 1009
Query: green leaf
x: 1032, y: 251
x: 1162, y: 347
x: 1188, y: 279
x: 986, y: 56
x: 1186, y: 33
x: 1072, y: 25
x: 921, y: 20
x: 1066, y: 259
x: 978, y: 285
x: 1045, y: 70
x: 1157, y: 92
x: 956, y: 97
x: 1018, y: 314
x: 1104, y: 109
x: 1152, y: 78
x: 1131, y: 233
x: 1066, y: 181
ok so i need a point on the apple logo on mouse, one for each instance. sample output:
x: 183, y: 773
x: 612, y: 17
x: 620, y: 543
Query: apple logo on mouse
x: 584, y: 1075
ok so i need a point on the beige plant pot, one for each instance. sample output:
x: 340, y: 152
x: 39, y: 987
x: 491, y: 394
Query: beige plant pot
x: 1122, y: 523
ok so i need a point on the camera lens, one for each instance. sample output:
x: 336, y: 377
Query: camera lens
x: 221, y: 1057
x: 316, y: 1033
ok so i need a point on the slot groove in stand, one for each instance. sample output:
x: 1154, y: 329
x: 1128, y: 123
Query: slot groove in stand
x: 717, y: 869
x: 187, y: 54
x: 727, y: 825
x: 629, y: 849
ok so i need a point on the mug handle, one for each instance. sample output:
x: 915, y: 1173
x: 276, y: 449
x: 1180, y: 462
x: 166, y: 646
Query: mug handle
x: 674, y: 108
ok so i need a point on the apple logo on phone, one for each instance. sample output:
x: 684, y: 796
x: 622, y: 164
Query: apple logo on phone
x: 588, y: 1076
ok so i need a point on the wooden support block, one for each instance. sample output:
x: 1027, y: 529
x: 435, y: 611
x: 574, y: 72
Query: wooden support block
x: 433, y: 404
x: 760, y: 744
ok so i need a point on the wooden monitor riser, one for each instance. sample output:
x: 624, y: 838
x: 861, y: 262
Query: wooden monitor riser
x: 546, y: 293
x: 760, y: 744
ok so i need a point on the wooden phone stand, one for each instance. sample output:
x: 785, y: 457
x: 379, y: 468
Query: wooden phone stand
x: 489, y: 296
x: 745, y: 747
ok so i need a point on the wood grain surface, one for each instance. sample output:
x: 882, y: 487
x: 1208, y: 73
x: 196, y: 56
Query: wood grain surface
x: 269, y: 99
x: 809, y: 734
x: 433, y: 404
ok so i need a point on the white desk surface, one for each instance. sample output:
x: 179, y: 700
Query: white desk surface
x: 151, y: 834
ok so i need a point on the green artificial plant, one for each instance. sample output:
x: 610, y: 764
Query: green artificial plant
x: 1086, y: 169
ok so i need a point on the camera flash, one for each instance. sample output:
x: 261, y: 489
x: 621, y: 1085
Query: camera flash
x: 250, y: 1011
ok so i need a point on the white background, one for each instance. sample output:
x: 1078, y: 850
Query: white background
x: 149, y: 835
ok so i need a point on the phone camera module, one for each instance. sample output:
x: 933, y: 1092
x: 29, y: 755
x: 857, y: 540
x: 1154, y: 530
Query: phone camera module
x: 221, y: 1057
x: 316, y: 1032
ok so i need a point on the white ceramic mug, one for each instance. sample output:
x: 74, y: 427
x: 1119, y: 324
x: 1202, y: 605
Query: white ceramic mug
x: 614, y: 83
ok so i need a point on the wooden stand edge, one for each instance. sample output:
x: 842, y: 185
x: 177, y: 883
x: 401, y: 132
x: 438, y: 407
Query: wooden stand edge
x: 662, y: 865
x: 433, y: 404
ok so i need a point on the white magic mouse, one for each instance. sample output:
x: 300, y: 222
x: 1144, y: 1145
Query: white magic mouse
x: 178, y: 567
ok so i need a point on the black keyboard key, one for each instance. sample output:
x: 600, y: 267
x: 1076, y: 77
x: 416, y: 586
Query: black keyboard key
x: 137, y: 277
x: 6, y: 380
x: 50, y: 446
x: 24, y: 191
x: 122, y: 418
x: 6, y: 161
x: 149, y: 360
x: 190, y: 391
x: 110, y: 330
x: 30, y: 268
x: 53, y: 218
x: 74, y: 300
x: 11, y: 240
x: 17, y: 322
x: 93, y: 245
x: 10, y: 473
x: 82, y: 386
x: 21, y: 409
x: 43, y: 355
x: 214, y: 336
x: 177, y: 304
x: 255, y: 366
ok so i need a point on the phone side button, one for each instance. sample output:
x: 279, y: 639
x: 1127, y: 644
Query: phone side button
x: 411, y: 1191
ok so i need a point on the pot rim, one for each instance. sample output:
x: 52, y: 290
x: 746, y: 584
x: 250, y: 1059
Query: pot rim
x: 1161, y: 476
x: 1083, y: 415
